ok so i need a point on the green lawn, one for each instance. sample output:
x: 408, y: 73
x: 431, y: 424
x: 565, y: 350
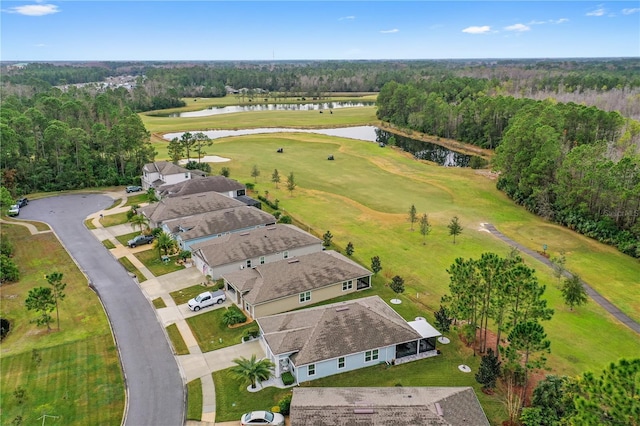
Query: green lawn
x: 158, y: 303
x: 115, y: 204
x: 138, y: 199
x: 123, y: 239
x: 183, y: 295
x: 154, y: 263
x: 212, y: 334
x: 179, y: 346
x: 130, y: 268
x: 194, y: 400
x: 108, y: 244
x: 114, y: 219
x: 75, y: 372
x: 236, y: 400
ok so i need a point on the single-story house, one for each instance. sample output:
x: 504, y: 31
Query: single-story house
x: 202, y: 227
x: 325, y: 340
x: 161, y: 173
x: 294, y: 282
x: 186, y: 205
x: 235, y: 251
x: 398, y: 406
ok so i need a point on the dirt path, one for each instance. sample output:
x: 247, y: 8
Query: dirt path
x: 597, y: 297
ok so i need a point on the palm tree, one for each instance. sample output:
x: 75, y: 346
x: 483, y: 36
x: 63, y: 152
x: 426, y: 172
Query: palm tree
x: 139, y: 221
x: 164, y: 243
x: 252, y: 370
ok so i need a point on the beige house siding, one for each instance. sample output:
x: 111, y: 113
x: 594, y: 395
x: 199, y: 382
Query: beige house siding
x: 293, y: 302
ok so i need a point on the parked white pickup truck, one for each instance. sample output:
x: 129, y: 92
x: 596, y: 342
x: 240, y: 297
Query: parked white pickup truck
x: 205, y: 299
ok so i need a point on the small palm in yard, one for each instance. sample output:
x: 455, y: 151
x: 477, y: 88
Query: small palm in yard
x: 252, y: 370
x: 139, y: 221
x: 165, y: 244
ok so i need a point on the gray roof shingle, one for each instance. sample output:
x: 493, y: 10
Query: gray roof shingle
x: 188, y: 205
x: 287, y: 277
x: 219, y: 222
x: 392, y: 406
x: 237, y: 247
x: 335, y: 330
x: 216, y: 183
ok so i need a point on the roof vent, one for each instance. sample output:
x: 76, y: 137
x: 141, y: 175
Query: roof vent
x: 342, y: 308
x: 363, y: 411
x: 244, y: 233
x: 271, y: 228
x: 439, y: 409
x: 293, y: 261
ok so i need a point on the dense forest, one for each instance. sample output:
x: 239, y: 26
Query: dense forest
x: 565, y: 131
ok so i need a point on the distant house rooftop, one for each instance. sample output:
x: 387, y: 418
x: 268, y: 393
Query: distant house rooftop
x: 188, y: 205
x: 216, y: 183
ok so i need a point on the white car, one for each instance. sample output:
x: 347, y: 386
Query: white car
x: 14, y: 210
x: 262, y: 418
x: 205, y: 299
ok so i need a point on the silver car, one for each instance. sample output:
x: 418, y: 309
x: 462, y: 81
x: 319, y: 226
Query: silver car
x: 262, y: 418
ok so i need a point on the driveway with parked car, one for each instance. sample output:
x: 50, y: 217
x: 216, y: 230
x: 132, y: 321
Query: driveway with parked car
x: 154, y: 384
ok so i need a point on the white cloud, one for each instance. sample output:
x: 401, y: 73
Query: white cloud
x: 395, y: 30
x: 549, y: 21
x: 518, y: 28
x: 630, y: 11
x: 597, y: 12
x: 559, y: 21
x: 347, y: 18
x: 40, y: 45
x: 477, y: 30
x: 35, y: 9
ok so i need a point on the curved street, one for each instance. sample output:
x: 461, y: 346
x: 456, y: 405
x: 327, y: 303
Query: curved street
x: 155, y: 392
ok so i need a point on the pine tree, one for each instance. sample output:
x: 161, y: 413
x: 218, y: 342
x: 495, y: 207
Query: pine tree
x: 489, y: 370
x: 349, y: 249
x: 376, y: 266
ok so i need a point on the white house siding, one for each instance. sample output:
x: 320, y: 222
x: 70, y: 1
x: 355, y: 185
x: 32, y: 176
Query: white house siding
x: 175, y: 178
x: 352, y: 362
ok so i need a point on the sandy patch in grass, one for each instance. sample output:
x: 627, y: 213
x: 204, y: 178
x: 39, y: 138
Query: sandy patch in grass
x: 207, y: 159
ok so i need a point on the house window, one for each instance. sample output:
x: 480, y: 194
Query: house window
x: 262, y: 260
x: 341, y: 362
x: 186, y: 175
x: 240, y: 192
x: 285, y: 255
x: 311, y: 370
x: 305, y: 297
x: 249, y: 263
x: 371, y: 355
x: 347, y: 285
x: 247, y: 306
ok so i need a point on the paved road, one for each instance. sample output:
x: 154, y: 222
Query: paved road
x: 597, y: 297
x: 154, y: 384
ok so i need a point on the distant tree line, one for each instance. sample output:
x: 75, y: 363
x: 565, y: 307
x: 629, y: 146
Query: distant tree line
x: 573, y: 164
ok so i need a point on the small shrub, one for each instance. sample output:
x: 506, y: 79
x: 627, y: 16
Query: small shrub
x: 5, y: 327
x: 185, y: 254
x: 285, y: 404
x: 275, y: 409
x: 250, y: 186
x: 277, y: 214
x: 287, y: 378
x: 285, y: 219
x: 233, y: 316
x: 478, y: 162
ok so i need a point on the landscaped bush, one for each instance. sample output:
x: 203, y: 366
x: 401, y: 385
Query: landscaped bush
x: 275, y: 409
x: 287, y: 378
x: 5, y: 327
x: 274, y: 205
x: 285, y: 404
x: 285, y: 219
x: 251, y: 333
x: 8, y: 269
x: 233, y: 316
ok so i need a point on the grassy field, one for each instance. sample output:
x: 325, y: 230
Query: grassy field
x: 73, y: 373
x: 364, y: 197
x: 212, y: 334
x: 114, y: 219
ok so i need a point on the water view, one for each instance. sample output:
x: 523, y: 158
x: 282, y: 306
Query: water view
x: 420, y: 149
x: 327, y: 106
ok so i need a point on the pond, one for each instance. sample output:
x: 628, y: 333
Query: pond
x: 326, y: 106
x: 420, y: 149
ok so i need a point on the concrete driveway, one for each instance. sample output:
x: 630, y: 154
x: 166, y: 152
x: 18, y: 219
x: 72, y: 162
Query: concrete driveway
x: 154, y: 386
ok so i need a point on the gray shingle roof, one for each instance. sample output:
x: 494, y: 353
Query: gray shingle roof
x: 219, y: 222
x: 393, y: 406
x: 164, y: 168
x: 216, y: 183
x: 295, y: 275
x: 188, y: 205
x: 331, y: 331
x: 237, y: 247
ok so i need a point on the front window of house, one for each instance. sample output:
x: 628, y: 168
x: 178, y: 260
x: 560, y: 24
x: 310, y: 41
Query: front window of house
x: 371, y: 355
x: 305, y: 297
x: 262, y: 260
x: 347, y: 285
x: 285, y: 255
x: 249, y: 263
x: 341, y: 362
x: 311, y: 370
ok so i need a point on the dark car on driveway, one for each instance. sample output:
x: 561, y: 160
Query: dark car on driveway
x: 22, y: 202
x: 133, y: 188
x: 139, y: 240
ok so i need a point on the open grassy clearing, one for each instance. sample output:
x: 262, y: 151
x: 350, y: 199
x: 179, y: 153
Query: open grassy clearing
x: 364, y: 196
x: 114, y: 219
x: 212, y: 334
x: 138, y: 199
x: 151, y: 259
x: 75, y: 373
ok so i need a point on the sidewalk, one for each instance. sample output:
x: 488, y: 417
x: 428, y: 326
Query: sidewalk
x: 196, y: 364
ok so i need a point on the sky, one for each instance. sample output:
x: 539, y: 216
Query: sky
x: 209, y: 30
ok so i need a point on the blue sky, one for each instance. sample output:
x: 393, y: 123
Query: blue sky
x: 46, y: 30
